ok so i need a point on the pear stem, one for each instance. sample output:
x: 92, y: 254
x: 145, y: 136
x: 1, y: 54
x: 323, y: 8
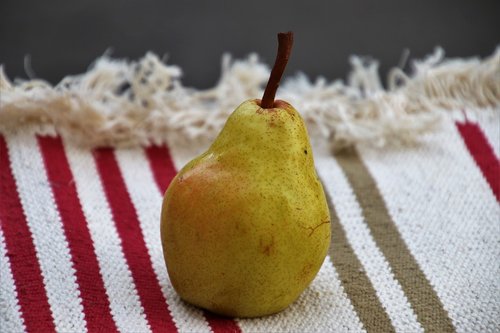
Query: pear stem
x: 285, y: 42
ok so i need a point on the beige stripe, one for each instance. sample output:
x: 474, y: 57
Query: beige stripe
x: 354, y: 279
x: 424, y: 300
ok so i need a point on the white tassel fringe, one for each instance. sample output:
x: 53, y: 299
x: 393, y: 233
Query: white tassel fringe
x: 120, y: 103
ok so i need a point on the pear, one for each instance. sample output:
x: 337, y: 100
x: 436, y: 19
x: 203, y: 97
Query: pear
x: 245, y: 226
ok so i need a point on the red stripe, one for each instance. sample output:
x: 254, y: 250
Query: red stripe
x: 162, y: 166
x: 164, y: 171
x: 483, y: 154
x: 134, y: 247
x: 21, y: 251
x: 221, y: 324
x: 91, y: 285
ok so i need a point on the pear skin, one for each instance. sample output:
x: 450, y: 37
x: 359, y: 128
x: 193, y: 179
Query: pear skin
x: 245, y: 227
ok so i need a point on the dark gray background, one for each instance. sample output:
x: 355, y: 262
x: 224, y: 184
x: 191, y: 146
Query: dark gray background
x: 64, y: 37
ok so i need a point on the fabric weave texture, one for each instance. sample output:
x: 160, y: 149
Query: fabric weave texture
x: 415, y: 238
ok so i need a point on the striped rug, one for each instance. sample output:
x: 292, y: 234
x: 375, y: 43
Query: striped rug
x: 415, y: 238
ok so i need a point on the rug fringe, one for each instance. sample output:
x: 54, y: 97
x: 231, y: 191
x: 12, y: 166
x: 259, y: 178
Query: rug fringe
x: 129, y: 103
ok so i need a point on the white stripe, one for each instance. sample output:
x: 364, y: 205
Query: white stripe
x: 323, y: 307
x: 125, y: 304
x: 490, y: 124
x: 448, y: 217
x: 46, y: 228
x: 182, y: 152
x: 377, y: 269
x: 147, y: 201
x: 10, y: 311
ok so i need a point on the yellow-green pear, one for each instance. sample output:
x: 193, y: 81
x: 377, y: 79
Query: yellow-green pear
x: 245, y: 226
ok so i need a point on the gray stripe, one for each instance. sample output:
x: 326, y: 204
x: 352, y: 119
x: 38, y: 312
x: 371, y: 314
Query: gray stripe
x: 354, y: 279
x: 422, y: 297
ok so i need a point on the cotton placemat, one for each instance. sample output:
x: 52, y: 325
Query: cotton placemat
x: 411, y: 171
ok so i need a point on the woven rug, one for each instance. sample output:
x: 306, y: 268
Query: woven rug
x: 412, y: 175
